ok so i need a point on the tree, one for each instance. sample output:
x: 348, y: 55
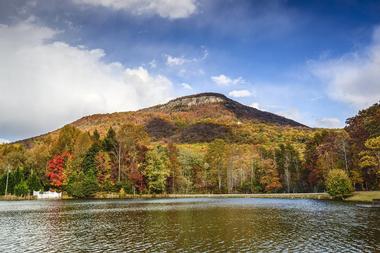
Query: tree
x: 103, y: 169
x: 193, y: 175
x: 130, y: 139
x: 110, y: 141
x: 216, y: 158
x: 89, y: 161
x: 370, y: 161
x: 270, y: 179
x: 90, y: 185
x: 55, y: 170
x: 156, y: 170
x: 96, y: 136
x: 38, y: 156
x: 66, y: 139
x: 338, y: 183
x: 21, y: 189
x: 362, y: 127
x: 174, y: 167
x: 288, y: 165
x: 82, y: 185
x: 34, y: 182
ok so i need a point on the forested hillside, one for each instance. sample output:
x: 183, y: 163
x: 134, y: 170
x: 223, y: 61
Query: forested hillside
x: 204, y: 143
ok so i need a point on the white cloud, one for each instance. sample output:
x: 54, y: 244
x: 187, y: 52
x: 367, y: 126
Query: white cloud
x: 180, y: 60
x: 46, y: 84
x: 2, y: 141
x: 223, y: 80
x: 171, y: 9
x: 153, y: 64
x: 255, y: 105
x: 329, y: 123
x: 186, y: 86
x: 240, y: 93
x: 175, y: 61
x: 353, y: 78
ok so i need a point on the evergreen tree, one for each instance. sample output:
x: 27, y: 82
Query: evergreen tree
x: 34, y: 182
x: 110, y: 141
x: 89, y: 160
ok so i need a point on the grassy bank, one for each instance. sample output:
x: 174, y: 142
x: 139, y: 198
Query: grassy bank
x: 14, y: 197
x: 103, y: 195
x: 364, y: 196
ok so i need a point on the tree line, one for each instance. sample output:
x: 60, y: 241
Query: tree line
x: 127, y: 160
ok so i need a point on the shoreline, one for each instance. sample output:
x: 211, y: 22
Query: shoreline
x: 363, y: 196
x: 206, y: 195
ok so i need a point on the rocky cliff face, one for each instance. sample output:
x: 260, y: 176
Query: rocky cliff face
x: 219, y: 104
x: 184, y: 103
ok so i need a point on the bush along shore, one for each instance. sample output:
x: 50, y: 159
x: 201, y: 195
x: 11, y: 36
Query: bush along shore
x: 363, y: 196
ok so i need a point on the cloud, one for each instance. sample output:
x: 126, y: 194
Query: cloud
x: 180, y: 60
x: 240, y: 93
x: 223, y: 80
x: 175, y: 61
x: 329, y: 123
x: 171, y: 9
x: 186, y: 86
x: 353, y: 78
x: 153, y: 64
x: 45, y: 84
x: 2, y: 141
x: 255, y: 105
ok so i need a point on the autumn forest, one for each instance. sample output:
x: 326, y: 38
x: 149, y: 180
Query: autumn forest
x: 181, y: 152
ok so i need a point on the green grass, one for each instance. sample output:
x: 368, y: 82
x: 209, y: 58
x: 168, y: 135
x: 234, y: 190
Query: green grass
x: 364, y: 196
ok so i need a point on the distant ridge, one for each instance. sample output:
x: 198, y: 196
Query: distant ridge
x: 195, y: 118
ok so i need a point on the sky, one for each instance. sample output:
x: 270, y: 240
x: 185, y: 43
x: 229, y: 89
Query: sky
x: 317, y: 62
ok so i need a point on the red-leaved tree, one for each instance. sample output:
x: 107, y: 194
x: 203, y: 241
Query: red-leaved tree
x: 55, y: 170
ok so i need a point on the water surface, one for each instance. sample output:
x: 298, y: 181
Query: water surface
x: 188, y: 225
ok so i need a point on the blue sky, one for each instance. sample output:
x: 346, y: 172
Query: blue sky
x: 317, y: 62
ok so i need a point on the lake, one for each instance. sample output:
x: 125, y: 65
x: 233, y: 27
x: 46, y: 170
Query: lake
x: 188, y: 225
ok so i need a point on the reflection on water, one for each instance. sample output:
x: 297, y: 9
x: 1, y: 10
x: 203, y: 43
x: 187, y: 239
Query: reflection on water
x: 188, y: 225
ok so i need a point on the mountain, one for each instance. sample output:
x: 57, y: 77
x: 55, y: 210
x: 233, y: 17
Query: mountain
x: 195, y: 118
x: 222, y: 103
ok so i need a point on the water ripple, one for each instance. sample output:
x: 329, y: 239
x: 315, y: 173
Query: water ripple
x: 188, y: 225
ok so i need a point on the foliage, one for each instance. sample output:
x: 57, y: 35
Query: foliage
x: 174, y: 179
x: 34, y: 182
x: 66, y: 140
x: 216, y: 158
x: 270, y: 179
x: 193, y: 173
x: 364, y: 131
x: 55, y: 170
x: 156, y: 170
x: 82, y: 185
x: 21, y: 189
x: 338, y: 184
x: 103, y: 169
x: 204, y: 149
x: 89, y: 161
